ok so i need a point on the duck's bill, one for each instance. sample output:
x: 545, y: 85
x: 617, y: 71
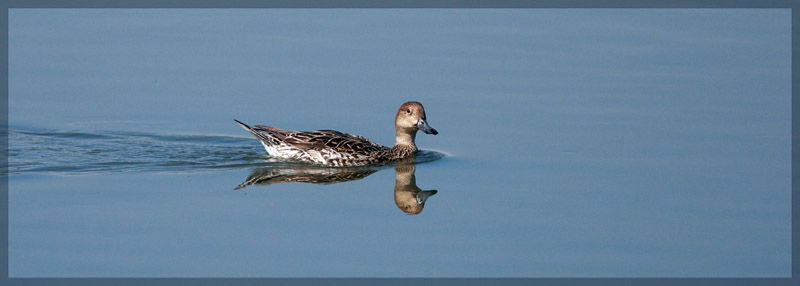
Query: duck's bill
x: 423, y: 126
x: 423, y: 196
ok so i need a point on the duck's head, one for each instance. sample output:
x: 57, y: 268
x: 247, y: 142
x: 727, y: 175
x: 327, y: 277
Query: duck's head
x: 411, y: 117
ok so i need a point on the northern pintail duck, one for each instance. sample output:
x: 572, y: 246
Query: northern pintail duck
x: 334, y: 148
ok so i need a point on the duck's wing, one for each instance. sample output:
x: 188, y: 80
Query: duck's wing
x: 332, y: 140
x: 319, y: 139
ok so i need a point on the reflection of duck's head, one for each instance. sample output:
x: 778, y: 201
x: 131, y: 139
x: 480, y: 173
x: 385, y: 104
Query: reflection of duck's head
x: 408, y: 197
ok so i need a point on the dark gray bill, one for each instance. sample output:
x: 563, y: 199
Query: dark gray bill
x: 423, y: 196
x: 423, y: 126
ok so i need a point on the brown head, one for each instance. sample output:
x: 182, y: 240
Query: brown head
x: 409, y: 119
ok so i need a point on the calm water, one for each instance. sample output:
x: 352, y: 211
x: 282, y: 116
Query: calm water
x: 578, y: 143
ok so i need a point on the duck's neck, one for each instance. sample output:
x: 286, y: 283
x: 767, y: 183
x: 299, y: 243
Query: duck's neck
x: 404, y: 143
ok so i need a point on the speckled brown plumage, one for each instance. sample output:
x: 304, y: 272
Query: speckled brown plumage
x: 334, y: 148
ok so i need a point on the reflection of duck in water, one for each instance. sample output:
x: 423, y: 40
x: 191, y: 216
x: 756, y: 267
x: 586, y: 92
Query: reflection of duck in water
x: 408, y: 197
x: 306, y: 174
x: 334, y: 148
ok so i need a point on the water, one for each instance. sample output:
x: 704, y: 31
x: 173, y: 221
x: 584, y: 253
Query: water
x: 75, y: 153
x: 573, y: 143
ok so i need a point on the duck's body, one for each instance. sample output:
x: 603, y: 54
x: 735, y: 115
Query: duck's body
x: 339, y: 149
x: 325, y: 147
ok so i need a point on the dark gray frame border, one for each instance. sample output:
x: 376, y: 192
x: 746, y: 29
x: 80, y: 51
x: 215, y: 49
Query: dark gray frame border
x: 11, y: 4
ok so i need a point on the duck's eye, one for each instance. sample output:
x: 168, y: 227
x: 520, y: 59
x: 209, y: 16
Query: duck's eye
x: 408, y: 111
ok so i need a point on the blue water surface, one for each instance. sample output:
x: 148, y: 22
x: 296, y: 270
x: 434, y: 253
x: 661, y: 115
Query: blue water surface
x: 573, y: 143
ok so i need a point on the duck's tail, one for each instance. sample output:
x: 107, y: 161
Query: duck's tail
x: 263, y: 136
x: 245, y: 126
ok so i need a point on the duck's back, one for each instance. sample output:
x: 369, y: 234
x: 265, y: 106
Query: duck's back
x: 327, y: 147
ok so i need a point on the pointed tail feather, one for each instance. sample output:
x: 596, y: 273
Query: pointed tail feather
x: 245, y: 126
x: 265, y: 138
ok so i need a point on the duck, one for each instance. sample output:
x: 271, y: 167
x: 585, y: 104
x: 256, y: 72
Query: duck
x: 339, y: 149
